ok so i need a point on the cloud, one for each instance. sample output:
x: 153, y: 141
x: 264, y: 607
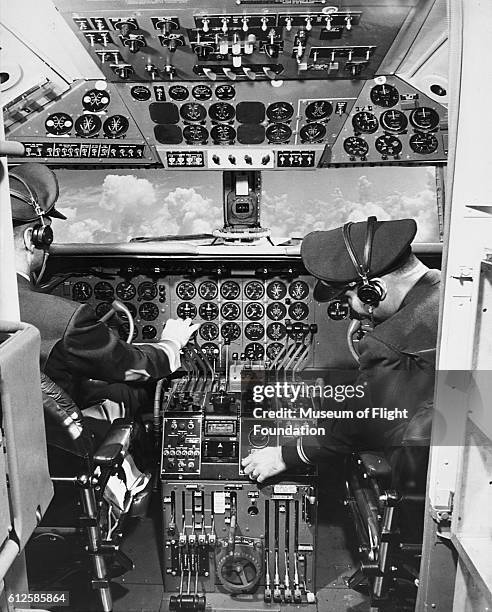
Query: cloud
x: 194, y: 213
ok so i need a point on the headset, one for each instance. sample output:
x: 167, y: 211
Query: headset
x: 372, y: 291
x: 42, y: 234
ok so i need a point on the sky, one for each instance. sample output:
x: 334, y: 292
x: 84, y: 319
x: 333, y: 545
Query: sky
x: 117, y: 205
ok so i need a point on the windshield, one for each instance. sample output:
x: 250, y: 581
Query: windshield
x: 118, y: 205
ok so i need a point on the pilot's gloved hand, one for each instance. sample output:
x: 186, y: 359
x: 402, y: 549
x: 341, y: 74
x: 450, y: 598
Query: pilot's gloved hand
x: 178, y: 331
x: 264, y: 463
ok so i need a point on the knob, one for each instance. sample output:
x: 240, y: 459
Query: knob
x: 224, y: 27
x: 348, y: 22
x: 216, y: 159
x: 249, y: 160
x: 249, y: 73
x: 152, y: 70
x: 232, y: 159
x: 232, y: 76
x: 245, y: 27
x: 265, y: 159
x: 123, y: 71
x: 205, y: 26
x: 172, y: 44
x: 288, y: 24
x: 309, y: 26
x: 170, y: 71
x: 264, y: 23
x: 210, y: 74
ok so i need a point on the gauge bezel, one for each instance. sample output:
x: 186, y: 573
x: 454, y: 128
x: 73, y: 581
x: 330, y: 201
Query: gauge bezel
x: 121, y: 131
x: 388, y: 128
x: 380, y: 139
x: 101, y: 106
x: 178, y: 98
x: 212, y: 112
x: 271, y: 111
x: 362, y: 145
x: 68, y: 124
x: 358, y: 127
x: 200, y: 96
x: 385, y: 100
x: 309, y: 126
x: 97, y: 121
x: 186, y: 109
x: 425, y: 128
x: 314, y: 116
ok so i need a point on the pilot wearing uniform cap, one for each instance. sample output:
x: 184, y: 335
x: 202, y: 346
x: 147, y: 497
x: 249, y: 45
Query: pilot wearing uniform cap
x: 370, y: 265
x: 77, y: 348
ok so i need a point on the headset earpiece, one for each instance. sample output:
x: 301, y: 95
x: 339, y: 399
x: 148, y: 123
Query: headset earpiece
x: 42, y: 236
x: 372, y: 292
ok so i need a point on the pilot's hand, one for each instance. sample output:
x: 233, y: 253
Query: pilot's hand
x: 264, y: 463
x: 178, y: 331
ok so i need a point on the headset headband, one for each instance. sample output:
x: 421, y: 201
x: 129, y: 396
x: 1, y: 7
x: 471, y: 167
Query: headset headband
x: 32, y: 200
x: 363, y: 268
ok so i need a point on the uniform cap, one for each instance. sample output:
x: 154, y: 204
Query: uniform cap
x: 325, y: 255
x: 33, y: 181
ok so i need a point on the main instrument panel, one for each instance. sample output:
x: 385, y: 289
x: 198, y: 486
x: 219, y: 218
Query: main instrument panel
x: 243, y: 314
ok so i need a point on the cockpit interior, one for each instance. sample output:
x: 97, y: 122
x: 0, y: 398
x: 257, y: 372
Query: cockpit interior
x: 195, y: 145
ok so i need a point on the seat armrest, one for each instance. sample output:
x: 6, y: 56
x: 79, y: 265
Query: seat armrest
x: 115, y: 445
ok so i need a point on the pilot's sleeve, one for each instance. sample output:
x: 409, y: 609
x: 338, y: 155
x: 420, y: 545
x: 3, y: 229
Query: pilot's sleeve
x: 379, y: 373
x: 92, y: 350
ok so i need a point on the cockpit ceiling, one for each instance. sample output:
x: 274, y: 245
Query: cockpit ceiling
x: 246, y: 84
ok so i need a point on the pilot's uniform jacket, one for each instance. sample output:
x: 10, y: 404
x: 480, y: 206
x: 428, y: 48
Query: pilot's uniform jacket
x: 397, y: 361
x: 76, y: 346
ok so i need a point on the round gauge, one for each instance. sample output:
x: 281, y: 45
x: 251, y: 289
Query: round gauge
x: 276, y: 311
x: 312, y: 132
x: 280, y: 111
x: 276, y: 290
x: 209, y: 331
x: 225, y: 92
x: 186, y: 310
x: 87, y: 126
x: 424, y: 144
x: 103, y: 291
x: 147, y: 290
x: 208, y: 290
x: 95, y: 100
x: 274, y: 349
x: 258, y: 440
x: 195, y: 134
x: 131, y: 309
x: 298, y: 311
x: 186, y: 290
x: 178, y: 92
x: 230, y: 290
x: 393, y: 121
x: 230, y: 331
x: 424, y: 118
x: 338, y: 310
x: 230, y: 311
x: 254, y: 331
x: 254, y: 351
x: 210, y: 349
x: 58, y: 124
x: 299, y: 290
x: 115, y: 126
x: 126, y: 290
x: 142, y: 94
x: 102, y: 308
x: 385, y: 95
x: 81, y: 291
x: 208, y: 311
x: 254, y: 311
x: 387, y: 144
x: 276, y: 331
x: 201, y: 92
x: 124, y: 330
x: 254, y: 290
x: 148, y: 311
x: 223, y: 133
x: 149, y: 332
x: 365, y: 122
x: 278, y: 132
x: 318, y: 110
x: 221, y: 111
x: 355, y: 146
x: 192, y: 111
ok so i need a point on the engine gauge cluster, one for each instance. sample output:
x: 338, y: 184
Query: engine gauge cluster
x: 391, y: 121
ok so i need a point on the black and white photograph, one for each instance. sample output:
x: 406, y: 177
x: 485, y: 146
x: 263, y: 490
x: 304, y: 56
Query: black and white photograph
x: 245, y: 306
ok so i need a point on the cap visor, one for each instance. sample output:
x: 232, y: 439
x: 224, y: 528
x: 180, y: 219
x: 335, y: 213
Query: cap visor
x: 324, y: 292
x: 56, y: 214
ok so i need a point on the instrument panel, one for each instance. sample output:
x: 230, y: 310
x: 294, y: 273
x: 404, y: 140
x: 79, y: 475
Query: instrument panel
x: 241, y: 316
